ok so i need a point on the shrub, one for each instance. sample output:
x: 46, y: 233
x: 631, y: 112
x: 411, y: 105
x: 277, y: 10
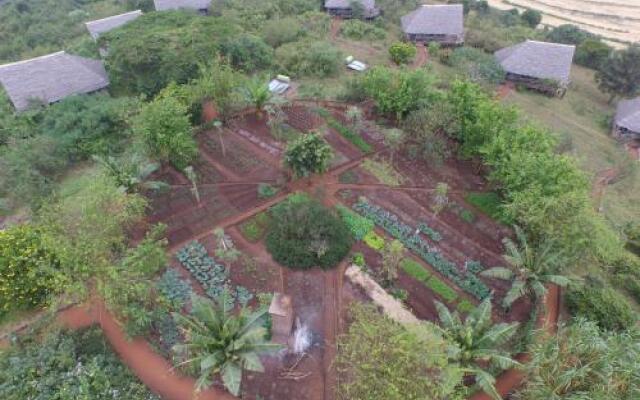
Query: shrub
x: 373, y: 240
x: 477, y: 65
x: 254, y: 229
x: 358, y: 259
x: 359, y: 30
x: 27, y: 269
x: 531, y: 17
x: 265, y: 191
x: 434, y: 49
x: 307, y: 155
x: 602, y: 305
x: 402, y: 53
x: 592, y: 53
x: 247, y: 52
x: 358, y: 225
x: 306, y: 234
x: 277, y: 32
x: 309, y: 58
x: 465, y: 306
x: 489, y: 203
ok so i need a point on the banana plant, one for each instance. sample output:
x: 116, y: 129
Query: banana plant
x: 477, y: 343
x: 221, y: 343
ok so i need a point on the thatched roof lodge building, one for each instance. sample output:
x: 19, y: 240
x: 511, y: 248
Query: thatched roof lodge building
x: 344, y: 9
x: 104, y: 25
x: 443, y: 24
x: 201, y: 6
x: 541, y: 66
x: 51, y: 78
x: 626, y: 124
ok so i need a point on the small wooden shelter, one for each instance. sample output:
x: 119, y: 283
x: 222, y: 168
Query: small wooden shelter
x: 442, y: 24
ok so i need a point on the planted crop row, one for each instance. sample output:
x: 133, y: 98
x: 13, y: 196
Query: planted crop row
x: 436, y: 285
x: 466, y: 279
x: 213, y: 277
x: 430, y: 232
x: 346, y: 133
x: 358, y: 225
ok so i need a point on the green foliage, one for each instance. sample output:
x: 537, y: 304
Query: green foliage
x: 308, y: 155
x: 619, y: 74
x: 266, y: 191
x: 430, y: 232
x: 373, y: 240
x: 67, y: 366
x: 309, y: 58
x: 465, y: 306
x: 434, y: 49
x: 489, y: 203
x: 383, y: 171
x: 592, y: 53
x: 426, y: 129
x: 359, y: 30
x: 127, y: 288
x: 531, y: 17
x: 69, y: 229
x: 436, y: 285
x: 581, y: 361
x: 480, y: 343
x: 219, y: 83
x: 158, y: 48
x: 307, y: 234
x: 219, y: 342
x: 210, y: 274
x: 163, y: 125
x: 465, y: 279
x: 345, y: 132
x: 254, y: 229
x: 477, y: 65
x: 568, y: 34
x: 392, y: 254
x: 379, y: 359
x: 398, y: 92
x: 34, y: 29
x: 358, y: 225
x: 358, y: 259
x: 602, y: 305
x: 27, y: 269
x: 174, y: 288
x: 280, y: 31
x: 402, y: 53
x: 247, y: 52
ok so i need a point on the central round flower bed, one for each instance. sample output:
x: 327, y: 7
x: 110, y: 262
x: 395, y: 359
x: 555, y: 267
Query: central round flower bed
x: 304, y: 234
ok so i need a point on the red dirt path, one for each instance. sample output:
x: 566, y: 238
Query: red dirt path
x: 422, y: 56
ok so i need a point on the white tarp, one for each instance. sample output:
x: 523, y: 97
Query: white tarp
x: 278, y: 87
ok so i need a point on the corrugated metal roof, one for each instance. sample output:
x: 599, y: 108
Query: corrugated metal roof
x: 51, y: 78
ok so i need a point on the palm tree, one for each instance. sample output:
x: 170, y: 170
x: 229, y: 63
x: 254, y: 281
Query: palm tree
x: 257, y: 93
x: 534, y: 267
x: 218, y: 342
x: 477, y: 342
x: 131, y: 175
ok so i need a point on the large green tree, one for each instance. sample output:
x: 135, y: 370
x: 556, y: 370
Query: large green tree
x: 619, y: 75
x: 478, y: 343
x: 220, y: 343
x: 163, y: 125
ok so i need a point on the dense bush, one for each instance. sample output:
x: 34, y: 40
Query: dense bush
x: 359, y: 30
x: 164, y: 126
x: 280, y: 31
x: 531, y: 17
x: 67, y: 366
x: 158, y: 48
x: 380, y: 359
x: 602, y: 305
x: 308, y: 155
x: 307, y: 234
x: 402, y: 53
x: 309, y: 58
x: 247, y: 52
x: 592, y: 53
x: 27, y: 269
x: 476, y: 65
x: 398, y: 92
